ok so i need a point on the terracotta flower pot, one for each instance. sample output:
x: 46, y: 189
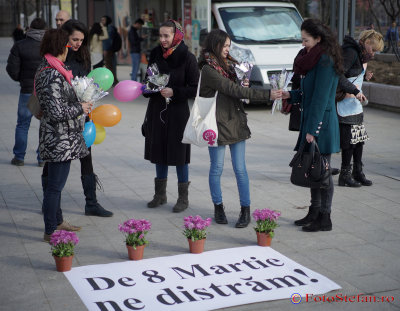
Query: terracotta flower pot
x: 197, y: 246
x: 63, y: 263
x: 263, y: 239
x: 135, y: 254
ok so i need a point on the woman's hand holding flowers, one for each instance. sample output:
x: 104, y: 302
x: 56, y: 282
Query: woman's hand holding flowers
x: 87, y: 106
x: 167, y: 92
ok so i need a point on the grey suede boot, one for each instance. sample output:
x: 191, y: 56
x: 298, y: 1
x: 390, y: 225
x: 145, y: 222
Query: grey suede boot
x: 92, y: 207
x: 160, y: 196
x: 183, y: 201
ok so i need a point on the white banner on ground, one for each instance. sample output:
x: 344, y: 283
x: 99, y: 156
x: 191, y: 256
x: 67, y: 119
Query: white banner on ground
x: 207, y: 281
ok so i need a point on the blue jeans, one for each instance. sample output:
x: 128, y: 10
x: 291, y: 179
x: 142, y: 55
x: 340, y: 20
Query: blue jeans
x: 56, y: 179
x: 22, y: 128
x: 217, y: 155
x: 182, y: 171
x: 135, y: 65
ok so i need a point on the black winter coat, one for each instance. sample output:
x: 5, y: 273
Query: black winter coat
x: 164, y: 124
x: 23, y: 61
x: 134, y: 40
x: 352, y: 63
x: 76, y: 64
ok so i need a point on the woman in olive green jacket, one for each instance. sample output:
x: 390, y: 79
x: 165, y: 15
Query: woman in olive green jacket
x: 319, y: 64
x: 218, y: 74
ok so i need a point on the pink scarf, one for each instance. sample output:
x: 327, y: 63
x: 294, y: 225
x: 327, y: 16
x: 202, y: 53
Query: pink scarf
x: 55, y: 63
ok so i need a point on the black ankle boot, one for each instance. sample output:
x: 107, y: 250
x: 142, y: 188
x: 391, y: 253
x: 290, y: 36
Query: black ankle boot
x: 310, y: 217
x: 321, y: 223
x: 92, y: 207
x: 244, y: 217
x: 219, y: 214
x: 359, y: 175
x: 160, y: 195
x: 346, y: 179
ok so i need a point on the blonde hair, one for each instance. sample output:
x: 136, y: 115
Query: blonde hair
x: 374, y: 37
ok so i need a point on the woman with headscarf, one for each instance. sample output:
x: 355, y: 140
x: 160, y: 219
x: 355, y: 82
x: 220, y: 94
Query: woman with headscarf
x: 165, y: 120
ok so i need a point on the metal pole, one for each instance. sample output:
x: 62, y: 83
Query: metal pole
x: 333, y: 15
x: 353, y: 18
x: 346, y: 17
x: 340, y: 21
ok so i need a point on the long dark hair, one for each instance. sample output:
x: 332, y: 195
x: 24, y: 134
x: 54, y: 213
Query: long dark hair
x: 83, y: 54
x: 329, y: 44
x: 95, y: 30
x: 213, y: 44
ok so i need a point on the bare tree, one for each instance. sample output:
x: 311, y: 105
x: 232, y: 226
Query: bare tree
x: 371, y: 9
x: 392, y: 8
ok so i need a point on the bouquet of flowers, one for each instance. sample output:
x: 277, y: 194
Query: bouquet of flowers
x: 195, y: 227
x: 266, y: 220
x: 87, y: 90
x: 243, y: 72
x: 135, y: 231
x: 280, y: 81
x: 63, y: 242
x: 155, y: 80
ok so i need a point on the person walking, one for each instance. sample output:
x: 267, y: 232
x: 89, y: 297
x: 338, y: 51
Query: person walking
x: 218, y: 75
x: 78, y: 60
x: 97, y: 34
x: 134, y: 41
x: 22, y: 63
x: 350, y: 110
x: 18, y: 33
x: 319, y: 64
x: 167, y: 114
x: 61, y: 126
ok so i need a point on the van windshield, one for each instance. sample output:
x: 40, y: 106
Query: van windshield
x: 255, y: 25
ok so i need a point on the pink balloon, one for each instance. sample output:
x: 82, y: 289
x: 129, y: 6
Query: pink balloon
x: 127, y: 90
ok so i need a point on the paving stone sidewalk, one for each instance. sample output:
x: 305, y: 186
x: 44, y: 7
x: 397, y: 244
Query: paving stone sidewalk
x: 361, y: 253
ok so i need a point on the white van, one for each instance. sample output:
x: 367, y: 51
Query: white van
x: 266, y: 34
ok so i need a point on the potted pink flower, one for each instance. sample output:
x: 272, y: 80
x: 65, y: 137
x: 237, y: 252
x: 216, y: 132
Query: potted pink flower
x: 266, y: 220
x: 135, y: 231
x: 194, y: 229
x: 62, y: 248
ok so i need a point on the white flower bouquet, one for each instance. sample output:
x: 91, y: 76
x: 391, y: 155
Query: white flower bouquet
x: 243, y: 72
x: 280, y: 81
x: 155, y: 81
x: 87, y: 90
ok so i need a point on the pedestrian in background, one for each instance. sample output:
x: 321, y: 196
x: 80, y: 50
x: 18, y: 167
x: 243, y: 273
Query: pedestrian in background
x: 392, y: 38
x: 218, y: 75
x: 165, y: 122
x: 18, y: 33
x: 134, y: 41
x: 97, y: 34
x: 61, y: 126
x: 22, y: 63
x: 350, y: 110
x: 61, y: 17
x: 110, y: 58
x: 319, y: 65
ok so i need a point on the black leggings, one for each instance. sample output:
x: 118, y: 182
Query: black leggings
x: 355, y: 152
x: 86, y: 165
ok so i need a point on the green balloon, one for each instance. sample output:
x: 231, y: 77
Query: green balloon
x: 103, y: 77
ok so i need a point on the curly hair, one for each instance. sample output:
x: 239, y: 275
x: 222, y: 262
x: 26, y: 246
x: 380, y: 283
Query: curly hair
x: 54, y: 42
x: 83, y: 53
x: 374, y: 37
x: 329, y: 44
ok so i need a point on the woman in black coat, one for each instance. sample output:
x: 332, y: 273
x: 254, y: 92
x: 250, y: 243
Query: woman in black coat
x: 167, y: 114
x: 78, y: 60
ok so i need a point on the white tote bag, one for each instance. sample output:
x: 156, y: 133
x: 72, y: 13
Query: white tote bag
x: 201, y: 129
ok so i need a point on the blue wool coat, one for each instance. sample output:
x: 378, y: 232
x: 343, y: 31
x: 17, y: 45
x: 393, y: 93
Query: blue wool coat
x: 317, y: 97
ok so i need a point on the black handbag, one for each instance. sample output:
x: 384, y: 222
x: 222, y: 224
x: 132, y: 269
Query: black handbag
x: 310, y: 168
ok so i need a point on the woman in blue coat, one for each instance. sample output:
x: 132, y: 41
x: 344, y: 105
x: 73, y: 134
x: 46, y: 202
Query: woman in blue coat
x: 319, y: 65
